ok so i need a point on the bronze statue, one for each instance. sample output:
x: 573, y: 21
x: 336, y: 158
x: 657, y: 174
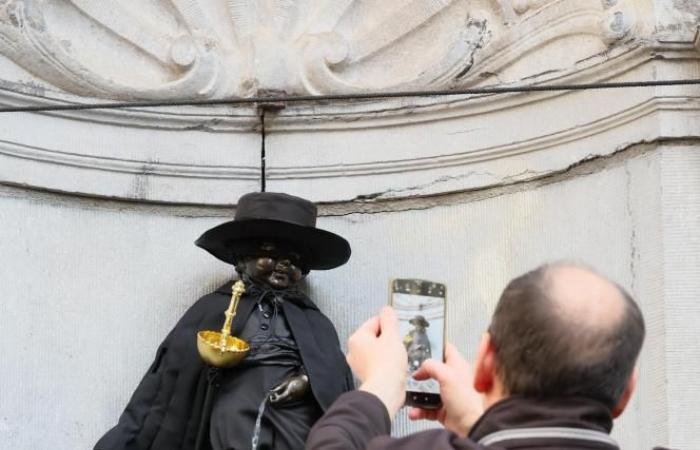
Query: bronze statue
x: 417, y: 343
x: 294, y: 368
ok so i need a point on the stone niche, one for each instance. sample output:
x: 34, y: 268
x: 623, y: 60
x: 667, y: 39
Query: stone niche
x: 99, y: 207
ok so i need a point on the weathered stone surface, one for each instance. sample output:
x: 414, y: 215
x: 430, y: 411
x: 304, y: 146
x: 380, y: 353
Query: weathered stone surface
x: 189, y: 48
x: 476, y: 143
x: 338, y: 150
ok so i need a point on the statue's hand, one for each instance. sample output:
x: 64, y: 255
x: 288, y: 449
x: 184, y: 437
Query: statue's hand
x: 292, y: 389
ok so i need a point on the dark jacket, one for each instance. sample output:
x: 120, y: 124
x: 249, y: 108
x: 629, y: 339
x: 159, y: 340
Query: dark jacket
x: 165, y: 412
x: 359, y: 421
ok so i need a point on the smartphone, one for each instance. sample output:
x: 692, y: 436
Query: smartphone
x: 420, y: 307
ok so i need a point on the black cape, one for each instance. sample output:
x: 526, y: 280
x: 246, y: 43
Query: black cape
x: 165, y: 412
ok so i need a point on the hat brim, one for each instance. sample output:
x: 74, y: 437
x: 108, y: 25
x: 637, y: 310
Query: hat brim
x: 322, y: 249
x: 425, y: 323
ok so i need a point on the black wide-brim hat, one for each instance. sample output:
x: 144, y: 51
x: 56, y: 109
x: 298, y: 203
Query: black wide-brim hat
x: 276, y: 216
x: 419, y: 320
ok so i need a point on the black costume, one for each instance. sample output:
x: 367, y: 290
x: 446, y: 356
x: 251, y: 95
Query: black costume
x: 180, y: 396
x: 166, y: 411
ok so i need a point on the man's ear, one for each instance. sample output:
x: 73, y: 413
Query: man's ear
x: 627, y: 395
x: 485, y: 366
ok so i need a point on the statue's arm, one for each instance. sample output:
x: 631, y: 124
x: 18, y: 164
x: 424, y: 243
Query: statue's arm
x: 346, y: 372
x: 130, y: 427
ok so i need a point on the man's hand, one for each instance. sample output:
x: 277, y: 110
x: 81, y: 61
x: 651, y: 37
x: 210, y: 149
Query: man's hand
x: 378, y: 358
x: 461, y: 404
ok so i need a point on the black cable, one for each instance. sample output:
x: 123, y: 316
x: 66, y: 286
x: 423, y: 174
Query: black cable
x: 367, y: 96
x: 262, y: 150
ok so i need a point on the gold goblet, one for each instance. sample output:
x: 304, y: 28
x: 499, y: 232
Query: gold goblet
x: 220, y: 349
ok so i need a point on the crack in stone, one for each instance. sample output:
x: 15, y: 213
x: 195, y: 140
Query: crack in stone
x: 377, y: 202
x: 390, y: 193
x: 362, y: 204
x: 633, y: 234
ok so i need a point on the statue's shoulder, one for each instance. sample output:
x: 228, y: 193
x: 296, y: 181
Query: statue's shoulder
x: 210, y: 301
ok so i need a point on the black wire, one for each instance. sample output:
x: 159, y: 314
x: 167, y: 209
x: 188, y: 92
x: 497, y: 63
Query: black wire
x: 263, y: 177
x: 367, y: 96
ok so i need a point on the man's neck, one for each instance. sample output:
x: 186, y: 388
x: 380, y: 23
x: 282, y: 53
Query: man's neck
x: 495, y: 394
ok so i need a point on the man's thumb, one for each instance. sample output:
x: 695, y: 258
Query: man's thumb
x: 432, y: 369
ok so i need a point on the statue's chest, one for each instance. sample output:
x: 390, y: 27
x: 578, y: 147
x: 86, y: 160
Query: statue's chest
x: 270, y: 336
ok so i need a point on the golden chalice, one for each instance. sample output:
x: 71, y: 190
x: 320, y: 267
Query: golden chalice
x: 220, y: 349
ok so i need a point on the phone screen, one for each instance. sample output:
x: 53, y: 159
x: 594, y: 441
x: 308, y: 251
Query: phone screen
x: 420, y: 307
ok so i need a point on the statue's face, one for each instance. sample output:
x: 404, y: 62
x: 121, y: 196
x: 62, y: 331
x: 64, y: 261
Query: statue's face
x: 275, y: 265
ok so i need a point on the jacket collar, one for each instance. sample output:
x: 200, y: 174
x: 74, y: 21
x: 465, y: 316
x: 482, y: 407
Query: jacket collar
x: 518, y: 412
x: 255, y: 291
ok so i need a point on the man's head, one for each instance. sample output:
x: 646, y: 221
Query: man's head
x: 563, y: 330
x: 272, y: 263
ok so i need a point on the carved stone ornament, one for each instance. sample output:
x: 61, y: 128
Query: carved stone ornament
x: 54, y: 52
x: 179, y: 49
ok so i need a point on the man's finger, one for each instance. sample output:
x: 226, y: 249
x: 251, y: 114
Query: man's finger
x: 388, y: 322
x: 368, y: 330
x: 370, y: 326
x: 422, y: 414
x: 433, y: 369
x: 365, y: 332
x: 421, y: 374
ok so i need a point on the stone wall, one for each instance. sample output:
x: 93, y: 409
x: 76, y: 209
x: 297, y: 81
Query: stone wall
x: 99, y: 209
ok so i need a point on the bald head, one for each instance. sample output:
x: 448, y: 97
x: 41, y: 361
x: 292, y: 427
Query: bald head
x: 585, y: 301
x: 562, y: 330
x: 582, y: 296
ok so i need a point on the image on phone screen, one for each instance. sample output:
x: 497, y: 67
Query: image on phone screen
x: 422, y: 325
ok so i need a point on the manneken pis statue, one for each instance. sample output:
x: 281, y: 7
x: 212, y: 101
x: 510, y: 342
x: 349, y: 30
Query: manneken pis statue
x: 295, y: 368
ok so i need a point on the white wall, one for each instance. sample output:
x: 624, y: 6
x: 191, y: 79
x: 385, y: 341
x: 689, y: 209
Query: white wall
x: 91, y: 288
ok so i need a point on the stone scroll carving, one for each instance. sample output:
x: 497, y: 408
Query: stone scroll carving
x: 129, y: 49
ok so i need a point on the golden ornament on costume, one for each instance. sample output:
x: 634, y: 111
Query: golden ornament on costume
x: 220, y: 349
